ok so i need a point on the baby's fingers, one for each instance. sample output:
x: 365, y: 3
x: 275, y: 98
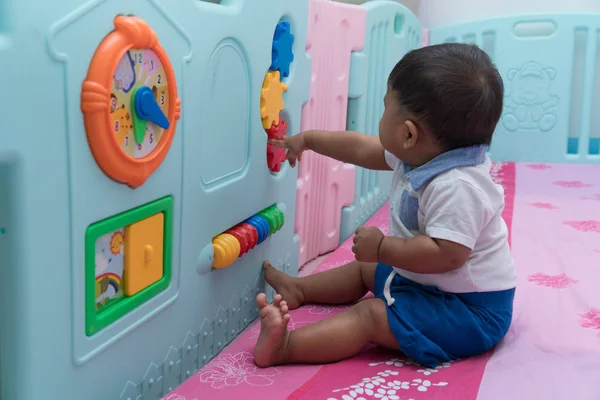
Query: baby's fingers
x: 292, y: 160
x: 278, y: 143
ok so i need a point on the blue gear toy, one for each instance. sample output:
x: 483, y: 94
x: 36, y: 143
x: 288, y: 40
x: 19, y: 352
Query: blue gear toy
x: 282, y: 54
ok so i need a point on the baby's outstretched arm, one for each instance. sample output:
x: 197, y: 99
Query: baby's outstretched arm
x: 346, y: 146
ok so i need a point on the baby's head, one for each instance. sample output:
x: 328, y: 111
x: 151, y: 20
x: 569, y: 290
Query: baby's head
x: 440, y: 98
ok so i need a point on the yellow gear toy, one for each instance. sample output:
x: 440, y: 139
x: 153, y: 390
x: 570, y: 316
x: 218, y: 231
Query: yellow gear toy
x: 271, y: 99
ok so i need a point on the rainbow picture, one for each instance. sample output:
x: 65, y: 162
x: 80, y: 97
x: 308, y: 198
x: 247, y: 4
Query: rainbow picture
x: 114, y: 280
x: 103, y: 283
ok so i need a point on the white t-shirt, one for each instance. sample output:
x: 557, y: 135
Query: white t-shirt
x: 454, y: 198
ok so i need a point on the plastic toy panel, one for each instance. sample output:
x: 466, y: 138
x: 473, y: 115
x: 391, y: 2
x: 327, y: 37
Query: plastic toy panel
x: 550, y: 96
x: 215, y: 171
x: 129, y: 102
x: 335, y: 30
x: 127, y: 262
x: 392, y: 30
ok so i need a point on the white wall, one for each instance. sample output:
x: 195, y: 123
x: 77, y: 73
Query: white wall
x: 436, y: 13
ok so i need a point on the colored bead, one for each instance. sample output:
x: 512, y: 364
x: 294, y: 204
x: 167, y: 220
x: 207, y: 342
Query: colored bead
x: 269, y: 218
x: 280, y: 217
x: 251, y: 232
x: 246, y: 235
x: 274, y: 217
x: 261, y: 225
x: 226, y: 249
x: 242, y: 238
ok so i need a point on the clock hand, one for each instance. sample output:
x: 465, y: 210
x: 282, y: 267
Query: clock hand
x: 147, y: 109
x: 139, y: 123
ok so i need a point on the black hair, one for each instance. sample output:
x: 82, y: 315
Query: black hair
x: 453, y: 90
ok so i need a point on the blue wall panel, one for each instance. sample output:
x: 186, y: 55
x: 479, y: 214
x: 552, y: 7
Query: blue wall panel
x: 551, y: 69
x: 51, y: 190
x: 392, y: 31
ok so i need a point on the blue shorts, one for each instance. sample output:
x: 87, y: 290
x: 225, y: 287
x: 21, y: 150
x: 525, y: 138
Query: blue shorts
x: 432, y: 326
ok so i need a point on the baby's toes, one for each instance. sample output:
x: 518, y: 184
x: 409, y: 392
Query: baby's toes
x: 261, y: 300
x: 284, y: 308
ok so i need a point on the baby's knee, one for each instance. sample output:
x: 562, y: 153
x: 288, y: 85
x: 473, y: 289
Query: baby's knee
x: 367, y: 274
x: 372, y: 314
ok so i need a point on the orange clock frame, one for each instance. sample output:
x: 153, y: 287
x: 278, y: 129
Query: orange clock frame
x: 130, y: 33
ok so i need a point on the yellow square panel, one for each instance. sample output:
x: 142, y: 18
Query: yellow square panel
x: 143, y: 253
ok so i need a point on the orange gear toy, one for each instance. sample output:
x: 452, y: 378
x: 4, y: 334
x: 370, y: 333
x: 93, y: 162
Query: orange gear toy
x: 271, y: 99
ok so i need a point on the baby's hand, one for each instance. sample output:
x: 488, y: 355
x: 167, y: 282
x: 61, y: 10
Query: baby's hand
x: 295, y: 146
x: 367, y: 240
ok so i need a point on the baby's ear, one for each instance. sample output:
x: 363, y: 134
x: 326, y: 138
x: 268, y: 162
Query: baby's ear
x: 412, y: 134
x: 412, y: 127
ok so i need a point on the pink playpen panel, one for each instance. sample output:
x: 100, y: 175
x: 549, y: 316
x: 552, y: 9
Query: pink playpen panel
x: 425, y: 38
x: 335, y: 30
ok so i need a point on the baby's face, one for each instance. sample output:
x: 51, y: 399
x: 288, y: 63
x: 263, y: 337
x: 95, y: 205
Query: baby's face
x: 399, y: 134
x: 391, y: 126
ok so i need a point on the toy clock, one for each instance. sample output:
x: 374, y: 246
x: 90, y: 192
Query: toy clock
x: 129, y: 102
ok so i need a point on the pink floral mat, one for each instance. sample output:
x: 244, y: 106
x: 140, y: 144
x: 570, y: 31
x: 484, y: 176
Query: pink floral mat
x: 551, y: 352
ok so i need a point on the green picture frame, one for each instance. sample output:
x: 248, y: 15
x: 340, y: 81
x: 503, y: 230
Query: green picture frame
x: 95, y: 321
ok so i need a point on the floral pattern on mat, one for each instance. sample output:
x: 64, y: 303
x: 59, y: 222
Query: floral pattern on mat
x: 584, y: 226
x: 374, y: 374
x: 551, y: 281
x: 557, y: 306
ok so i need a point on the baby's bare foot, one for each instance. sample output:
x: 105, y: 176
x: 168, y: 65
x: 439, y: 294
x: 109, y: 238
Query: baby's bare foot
x: 285, y: 285
x: 274, y: 318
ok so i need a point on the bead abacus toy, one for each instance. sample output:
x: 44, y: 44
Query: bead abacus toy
x: 237, y: 241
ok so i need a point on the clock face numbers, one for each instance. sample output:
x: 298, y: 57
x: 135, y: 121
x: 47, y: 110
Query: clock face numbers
x: 129, y: 102
x: 138, y: 135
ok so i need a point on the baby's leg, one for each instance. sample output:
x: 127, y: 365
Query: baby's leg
x: 329, y: 340
x: 343, y: 285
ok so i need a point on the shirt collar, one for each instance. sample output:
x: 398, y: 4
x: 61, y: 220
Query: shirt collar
x: 462, y: 157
